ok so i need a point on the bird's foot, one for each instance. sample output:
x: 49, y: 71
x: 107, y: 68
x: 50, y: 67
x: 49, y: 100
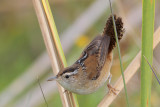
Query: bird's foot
x: 112, y: 90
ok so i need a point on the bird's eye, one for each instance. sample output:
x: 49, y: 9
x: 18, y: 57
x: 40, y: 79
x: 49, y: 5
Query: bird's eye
x: 67, y: 76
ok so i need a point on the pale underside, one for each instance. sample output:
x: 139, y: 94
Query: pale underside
x: 91, y: 86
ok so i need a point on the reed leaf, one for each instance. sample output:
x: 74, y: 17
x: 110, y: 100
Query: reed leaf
x: 119, y: 53
x: 152, y: 70
x: 147, y: 50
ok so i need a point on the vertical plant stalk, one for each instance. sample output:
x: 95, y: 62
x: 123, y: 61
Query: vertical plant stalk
x: 58, y: 45
x: 119, y: 53
x: 147, y: 50
x: 53, y: 46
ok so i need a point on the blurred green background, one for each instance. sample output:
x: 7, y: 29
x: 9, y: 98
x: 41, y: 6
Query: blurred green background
x: 22, y: 50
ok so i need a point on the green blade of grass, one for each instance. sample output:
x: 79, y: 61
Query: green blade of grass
x: 147, y: 50
x: 119, y: 53
x: 152, y: 70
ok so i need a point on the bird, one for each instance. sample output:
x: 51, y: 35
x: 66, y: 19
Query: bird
x: 92, y: 69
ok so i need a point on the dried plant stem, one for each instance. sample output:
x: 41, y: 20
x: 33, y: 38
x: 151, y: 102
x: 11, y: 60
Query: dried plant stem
x: 56, y: 55
x: 58, y: 46
x: 128, y: 73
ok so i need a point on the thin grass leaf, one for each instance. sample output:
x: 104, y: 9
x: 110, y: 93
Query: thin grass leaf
x: 152, y: 70
x: 42, y: 91
x: 147, y: 50
x: 119, y: 53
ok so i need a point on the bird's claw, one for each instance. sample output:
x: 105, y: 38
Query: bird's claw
x: 112, y: 90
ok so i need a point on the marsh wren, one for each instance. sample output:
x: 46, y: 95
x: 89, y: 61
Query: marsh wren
x: 92, y: 69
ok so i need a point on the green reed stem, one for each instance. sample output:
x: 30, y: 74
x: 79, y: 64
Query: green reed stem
x: 147, y: 51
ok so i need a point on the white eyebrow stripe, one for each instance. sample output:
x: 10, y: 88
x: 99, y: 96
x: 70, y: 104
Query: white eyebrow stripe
x: 72, y: 73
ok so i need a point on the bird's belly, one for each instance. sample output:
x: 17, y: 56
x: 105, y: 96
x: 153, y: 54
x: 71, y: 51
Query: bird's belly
x: 92, y: 85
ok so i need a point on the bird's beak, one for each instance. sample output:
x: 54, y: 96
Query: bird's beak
x: 52, y: 78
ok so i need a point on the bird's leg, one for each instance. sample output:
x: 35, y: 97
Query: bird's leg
x: 111, y: 89
x: 109, y: 78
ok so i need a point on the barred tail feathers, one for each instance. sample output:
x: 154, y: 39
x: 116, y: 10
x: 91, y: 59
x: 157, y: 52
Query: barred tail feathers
x: 109, y: 30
